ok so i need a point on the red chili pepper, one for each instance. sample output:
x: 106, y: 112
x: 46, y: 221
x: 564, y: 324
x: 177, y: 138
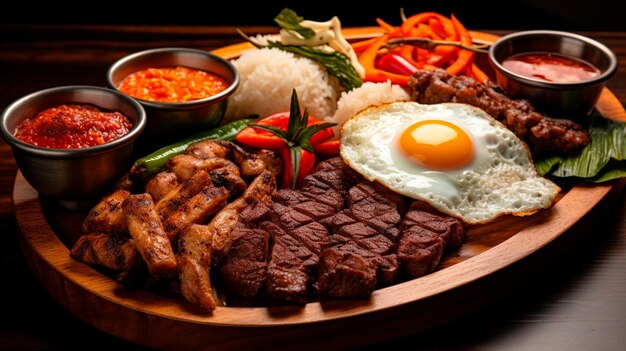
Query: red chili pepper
x: 307, y: 161
x: 330, y: 148
x: 396, y: 64
x: 267, y: 140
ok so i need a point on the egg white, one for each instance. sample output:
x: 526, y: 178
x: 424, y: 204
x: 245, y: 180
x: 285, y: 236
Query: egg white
x: 500, y: 179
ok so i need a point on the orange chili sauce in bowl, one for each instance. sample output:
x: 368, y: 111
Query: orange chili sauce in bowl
x: 172, y: 84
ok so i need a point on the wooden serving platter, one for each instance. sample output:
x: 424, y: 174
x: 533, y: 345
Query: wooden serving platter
x: 166, y: 321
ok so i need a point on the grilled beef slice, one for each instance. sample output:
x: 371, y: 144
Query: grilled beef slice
x: 543, y: 134
x: 425, y: 234
x: 298, y: 236
x: 332, y: 174
x: 244, y: 270
x: 298, y: 241
x: 361, y: 254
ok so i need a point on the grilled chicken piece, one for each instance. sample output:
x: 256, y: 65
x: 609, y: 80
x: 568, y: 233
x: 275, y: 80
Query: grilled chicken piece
x: 107, y: 215
x: 125, y: 183
x: 209, y: 148
x: 149, y: 236
x: 161, y: 184
x: 230, y: 178
x: 112, y: 251
x: 271, y: 159
x: 175, y: 198
x: 221, y: 171
x: 196, y: 210
x: 222, y: 225
x: 194, y: 262
x: 250, y: 165
x: 184, y: 166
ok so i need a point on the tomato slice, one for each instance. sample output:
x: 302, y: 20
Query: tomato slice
x: 265, y: 140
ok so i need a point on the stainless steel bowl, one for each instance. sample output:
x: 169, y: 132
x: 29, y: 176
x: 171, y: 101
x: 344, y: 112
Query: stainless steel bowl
x: 72, y: 175
x: 568, y: 100
x: 169, y: 122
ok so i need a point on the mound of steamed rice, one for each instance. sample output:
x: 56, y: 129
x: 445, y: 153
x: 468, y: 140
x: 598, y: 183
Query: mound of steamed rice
x: 267, y: 78
x: 368, y: 94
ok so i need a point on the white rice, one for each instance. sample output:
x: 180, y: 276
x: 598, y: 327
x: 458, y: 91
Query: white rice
x: 268, y: 77
x: 368, y: 94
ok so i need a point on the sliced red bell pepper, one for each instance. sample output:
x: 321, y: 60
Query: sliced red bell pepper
x: 368, y: 61
x: 396, y: 64
x: 266, y: 140
x: 329, y: 148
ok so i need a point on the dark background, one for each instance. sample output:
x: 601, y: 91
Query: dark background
x: 598, y: 15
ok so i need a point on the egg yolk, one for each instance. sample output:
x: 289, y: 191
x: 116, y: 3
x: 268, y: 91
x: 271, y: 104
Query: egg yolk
x: 437, y: 144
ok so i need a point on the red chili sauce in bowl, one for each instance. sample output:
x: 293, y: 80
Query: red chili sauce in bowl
x: 73, y: 127
x: 551, y: 67
x: 172, y: 84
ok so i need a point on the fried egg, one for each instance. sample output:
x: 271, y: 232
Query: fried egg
x: 454, y: 156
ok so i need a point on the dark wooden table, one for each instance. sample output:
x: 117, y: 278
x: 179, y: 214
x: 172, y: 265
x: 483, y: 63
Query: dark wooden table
x: 570, y: 295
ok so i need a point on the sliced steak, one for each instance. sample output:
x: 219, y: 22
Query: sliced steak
x: 320, y: 205
x: 332, y: 174
x: 298, y: 241
x: 425, y: 234
x: 244, y: 270
x: 361, y: 254
x: 298, y: 236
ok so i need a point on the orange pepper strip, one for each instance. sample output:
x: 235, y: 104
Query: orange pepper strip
x: 386, y: 26
x: 368, y: 61
x: 409, y: 52
x: 437, y: 27
x: 479, y: 74
x: 363, y: 44
x: 417, y: 19
x: 465, y: 56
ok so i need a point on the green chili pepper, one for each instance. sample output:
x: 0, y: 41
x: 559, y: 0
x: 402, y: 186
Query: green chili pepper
x: 151, y: 164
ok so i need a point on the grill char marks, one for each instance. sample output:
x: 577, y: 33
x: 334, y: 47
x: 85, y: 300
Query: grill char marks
x: 297, y: 232
x: 362, y: 255
x: 332, y: 174
x: 425, y: 235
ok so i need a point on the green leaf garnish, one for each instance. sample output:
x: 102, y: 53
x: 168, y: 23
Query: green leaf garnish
x: 289, y: 20
x: 603, y: 159
x: 336, y: 63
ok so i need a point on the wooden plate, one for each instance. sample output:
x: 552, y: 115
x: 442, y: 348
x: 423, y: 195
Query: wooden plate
x: 166, y: 321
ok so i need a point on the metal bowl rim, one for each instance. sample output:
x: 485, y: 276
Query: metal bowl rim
x: 129, y: 137
x: 606, y: 75
x: 177, y: 105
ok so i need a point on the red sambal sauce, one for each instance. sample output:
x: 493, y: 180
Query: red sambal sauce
x: 73, y: 127
x: 551, y: 67
x: 172, y: 84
